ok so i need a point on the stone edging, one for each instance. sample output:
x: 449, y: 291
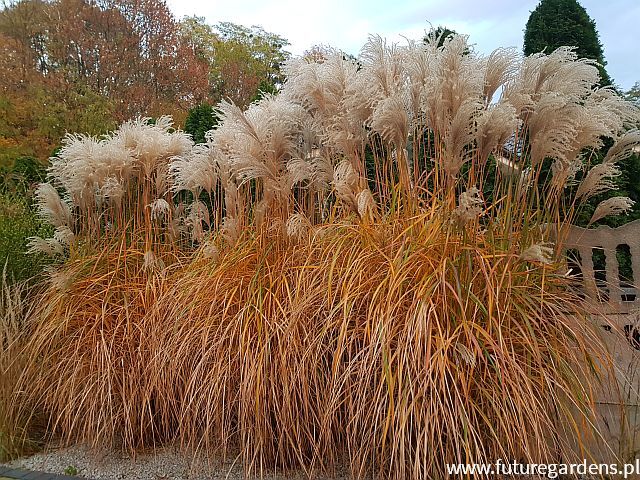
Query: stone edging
x: 19, y: 473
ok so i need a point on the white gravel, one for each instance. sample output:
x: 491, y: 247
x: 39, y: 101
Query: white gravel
x: 161, y: 464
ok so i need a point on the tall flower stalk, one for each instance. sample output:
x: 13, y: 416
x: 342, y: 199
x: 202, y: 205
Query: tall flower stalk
x: 414, y: 127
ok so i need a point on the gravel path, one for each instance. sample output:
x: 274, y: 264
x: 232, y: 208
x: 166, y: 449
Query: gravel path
x: 161, y: 464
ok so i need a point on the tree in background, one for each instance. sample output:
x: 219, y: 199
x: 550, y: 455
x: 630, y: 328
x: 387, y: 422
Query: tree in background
x: 441, y: 34
x: 558, y: 23
x: 200, y: 120
x: 85, y: 66
x: 244, y: 63
x: 634, y: 93
x: 266, y: 50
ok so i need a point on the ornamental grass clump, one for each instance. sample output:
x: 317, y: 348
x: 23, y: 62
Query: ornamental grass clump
x: 119, y: 231
x: 364, y: 268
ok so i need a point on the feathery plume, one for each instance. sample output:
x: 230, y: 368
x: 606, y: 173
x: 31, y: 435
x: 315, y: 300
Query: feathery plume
x: 552, y: 127
x: 112, y: 190
x: 198, y: 214
x: 624, y: 147
x: 63, y: 235
x: 160, y: 209
x: 59, y: 279
x: 298, y: 226
x: 383, y: 64
x: 298, y: 170
x: 598, y: 180
x: 538, y: 253
x: 231, y: 229
x: 345, y: 182
x: 51, y: 207
x: 563, y: 173
x: 366, y: 204
x: 390, y: 119
x: 469, y: 205
x: 499, y: 67
x: 495, y: 125
x: 321, y: 171
x: 198, y: 170
x: 210, y: 251
x: 459, y: 134
x: 611, y: 206
x: 48, y: 246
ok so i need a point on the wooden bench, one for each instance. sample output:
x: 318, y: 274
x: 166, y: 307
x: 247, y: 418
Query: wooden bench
x: 593, y: 256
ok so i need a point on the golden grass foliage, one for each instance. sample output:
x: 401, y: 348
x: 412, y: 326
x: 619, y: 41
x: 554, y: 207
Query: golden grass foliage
x: 330, y: 279
x: 14, y: 310
x: 388, y: 346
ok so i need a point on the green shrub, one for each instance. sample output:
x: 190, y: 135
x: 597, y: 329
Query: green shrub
x: 21, y: 176
x: 200, y: 120
x: 18, y: 222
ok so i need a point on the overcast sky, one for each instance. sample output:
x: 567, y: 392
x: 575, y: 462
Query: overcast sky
x: 345, y: 24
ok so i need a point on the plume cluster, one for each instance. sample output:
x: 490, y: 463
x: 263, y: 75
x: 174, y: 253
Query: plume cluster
x: 416, y: 123
x: 408, y: 127
x: 109, y: 185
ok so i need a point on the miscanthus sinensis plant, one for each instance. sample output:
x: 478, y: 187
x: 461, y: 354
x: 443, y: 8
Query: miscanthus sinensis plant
x: 377, y: 278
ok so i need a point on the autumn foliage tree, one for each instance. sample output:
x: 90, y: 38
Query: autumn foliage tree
x: 80, y: 65
x: 243, y: 62
x: 88, y: 65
